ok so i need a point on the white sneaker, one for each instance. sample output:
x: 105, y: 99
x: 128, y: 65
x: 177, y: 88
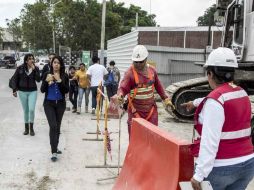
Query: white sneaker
x: 78, y: 110
x: 93, y: 111
x: 54, y: 157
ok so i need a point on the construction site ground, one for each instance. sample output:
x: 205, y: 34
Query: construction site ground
x: 25, y: 160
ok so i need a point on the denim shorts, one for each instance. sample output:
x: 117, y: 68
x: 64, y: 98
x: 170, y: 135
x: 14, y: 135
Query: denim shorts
x: 233, y: 177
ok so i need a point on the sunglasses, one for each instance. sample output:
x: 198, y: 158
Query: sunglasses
x: 139, y: 62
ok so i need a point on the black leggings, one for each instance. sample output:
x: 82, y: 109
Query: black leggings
x: 73, y: 95
x: 54, y: 111
x: 111, y: 90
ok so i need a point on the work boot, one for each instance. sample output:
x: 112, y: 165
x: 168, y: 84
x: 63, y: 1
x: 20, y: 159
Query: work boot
x: 26, y: 132
x: 86, y: 109
x: 78, y: 110
x: 32, y: 129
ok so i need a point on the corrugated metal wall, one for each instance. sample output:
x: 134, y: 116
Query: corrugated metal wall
x: 176, y: 64
x: 172, y: 64
x: 120, y: 50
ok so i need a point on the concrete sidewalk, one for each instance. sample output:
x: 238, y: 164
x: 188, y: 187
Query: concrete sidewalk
x: 25, y: 161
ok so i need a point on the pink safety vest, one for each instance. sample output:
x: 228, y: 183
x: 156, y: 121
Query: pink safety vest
x: 235, y: 138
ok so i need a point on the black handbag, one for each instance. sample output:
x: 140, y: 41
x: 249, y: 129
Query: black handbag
x: 11, y: 81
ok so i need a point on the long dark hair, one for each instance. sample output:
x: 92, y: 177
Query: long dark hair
x: 27, y: 56
x: 62, y: 66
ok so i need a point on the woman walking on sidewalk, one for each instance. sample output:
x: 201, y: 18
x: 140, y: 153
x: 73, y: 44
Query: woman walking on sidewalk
x: 24, y: 84
x: 55, y: 84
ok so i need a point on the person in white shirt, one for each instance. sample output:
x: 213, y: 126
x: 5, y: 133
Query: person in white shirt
x: 96, y: 73
x: 223, y: 145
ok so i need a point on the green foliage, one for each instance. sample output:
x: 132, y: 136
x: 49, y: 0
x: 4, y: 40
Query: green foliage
x: 36, y: 26
x: 208, y: 17
x: 77, y: 24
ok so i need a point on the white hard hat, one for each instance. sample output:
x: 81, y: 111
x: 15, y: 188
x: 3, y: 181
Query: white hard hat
x: 222, y: 57
x: 139, y: 53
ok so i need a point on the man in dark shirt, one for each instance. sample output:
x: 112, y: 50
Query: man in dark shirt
x: 46, y: 67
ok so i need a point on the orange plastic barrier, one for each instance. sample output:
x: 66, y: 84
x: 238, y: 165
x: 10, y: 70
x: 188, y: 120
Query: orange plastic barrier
x: 155, y: 160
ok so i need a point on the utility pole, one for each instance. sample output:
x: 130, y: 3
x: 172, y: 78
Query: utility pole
x: 136, y: 21
x: 103, y: 31
x: 52, y: 6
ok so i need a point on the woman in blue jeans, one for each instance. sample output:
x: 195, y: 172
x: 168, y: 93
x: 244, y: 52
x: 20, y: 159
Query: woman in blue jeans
x: 223, y: 145
x: 24, y: 84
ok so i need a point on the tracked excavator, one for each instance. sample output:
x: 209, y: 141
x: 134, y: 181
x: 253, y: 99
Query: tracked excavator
x: 237, y: 18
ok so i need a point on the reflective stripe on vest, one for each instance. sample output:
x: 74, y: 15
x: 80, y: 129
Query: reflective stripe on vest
x: 236, y: 134
x: 142, y: 93
x: 232, y: 95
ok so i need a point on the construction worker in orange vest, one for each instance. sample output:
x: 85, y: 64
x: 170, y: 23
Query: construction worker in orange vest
x: 139, y: 83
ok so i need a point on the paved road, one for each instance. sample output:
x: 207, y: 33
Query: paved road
x: 25, y: 160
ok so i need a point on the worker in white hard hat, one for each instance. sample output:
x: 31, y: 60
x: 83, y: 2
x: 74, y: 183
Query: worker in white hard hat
x: 222, y: 143
x: 139, y: 83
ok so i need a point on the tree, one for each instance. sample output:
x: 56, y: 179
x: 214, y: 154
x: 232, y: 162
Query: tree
x: 128, y: 16
x: 37, y: 26
x: 77, y: 24
x: 14, y: 28
x: 208, y: 17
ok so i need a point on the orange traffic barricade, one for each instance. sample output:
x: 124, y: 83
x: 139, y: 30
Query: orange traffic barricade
x: 155, y: 160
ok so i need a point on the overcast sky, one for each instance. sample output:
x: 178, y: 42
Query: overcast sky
x: 168, y: 12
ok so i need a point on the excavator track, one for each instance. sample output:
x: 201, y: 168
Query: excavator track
x: 184, y: 91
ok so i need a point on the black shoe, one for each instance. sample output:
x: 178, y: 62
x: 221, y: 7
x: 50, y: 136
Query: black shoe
x: 54, y: 157
x: 26, y: 132
x: 32, y: 129
x: 59, y: 152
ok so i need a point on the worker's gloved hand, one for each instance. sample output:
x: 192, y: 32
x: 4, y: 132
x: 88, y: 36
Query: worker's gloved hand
x: 120, y: 99
x: 189, y: 106
x: 167, y: 103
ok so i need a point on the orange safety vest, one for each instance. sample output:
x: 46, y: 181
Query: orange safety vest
x: 142, y: 91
